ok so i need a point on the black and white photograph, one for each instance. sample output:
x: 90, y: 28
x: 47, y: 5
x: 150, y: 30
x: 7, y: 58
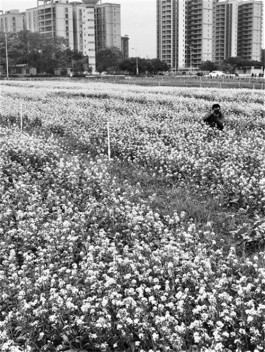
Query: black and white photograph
x: 132, y: 176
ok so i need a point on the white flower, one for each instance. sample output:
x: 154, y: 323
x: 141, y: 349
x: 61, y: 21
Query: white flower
x: 104, y: 302
x: 196, y: 337
x: 41, y: 334
x: 155, y: 336
x: 110, y: 281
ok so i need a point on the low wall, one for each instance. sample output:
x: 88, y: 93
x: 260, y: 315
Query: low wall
x: 58, y: 78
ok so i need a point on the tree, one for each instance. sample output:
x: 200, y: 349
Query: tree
x: 208, y: 66
x: 36, y: 50
x: 129, y: 65
x: 152, y: 66
x: 233, y: 63
x: 159, y: 66
x: 53, y: 55
x: 108, y: 60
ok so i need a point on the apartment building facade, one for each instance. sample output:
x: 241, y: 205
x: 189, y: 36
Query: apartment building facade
x: 171, y: 32
x: 199, y: 31
x: 250, y: 14
x: 12, y: 21
x: 184, y: 32
x: 84, y: 30
x: 225, y: 29
x: 192, y: 31
x: 238, y: 29
x: 125, y: 46
x: 108, y: 26
x: 31, y: 19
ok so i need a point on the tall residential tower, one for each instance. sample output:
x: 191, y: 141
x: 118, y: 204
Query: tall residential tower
x: 184, y: 32
x: 192, y: 31
x: 250, y: 13
x: 171, y: 32
x: 199, y: 31
x: 237, y: 29
x: 108, y: 26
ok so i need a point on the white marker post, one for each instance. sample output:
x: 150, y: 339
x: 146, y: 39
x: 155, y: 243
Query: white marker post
x: 21, y: 117
x: 108, y: 139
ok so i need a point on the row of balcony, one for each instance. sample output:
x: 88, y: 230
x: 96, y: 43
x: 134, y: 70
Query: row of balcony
x: 46, y: 11
x: 46, y: 29
x: 245, y: 26
x: 245, y: 37
x: 45, y: 24
x: 40, y: 17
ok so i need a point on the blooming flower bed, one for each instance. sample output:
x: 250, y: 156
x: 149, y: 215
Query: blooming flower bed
x: 82, y: 265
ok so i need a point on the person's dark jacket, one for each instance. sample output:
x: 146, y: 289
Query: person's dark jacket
x: 214, y: 120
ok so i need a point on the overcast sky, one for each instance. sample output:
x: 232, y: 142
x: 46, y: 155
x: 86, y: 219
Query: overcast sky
x: 138, y: 21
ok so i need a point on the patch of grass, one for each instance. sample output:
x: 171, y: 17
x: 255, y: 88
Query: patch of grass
x: 210, y: 215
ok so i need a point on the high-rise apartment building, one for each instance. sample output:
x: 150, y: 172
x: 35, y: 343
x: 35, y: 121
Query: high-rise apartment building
x: 87, y: 33
x: 184, y: 32
x: 231, y: 29
x: 199, y: 31
x: 125, y: 46
x: 237, y: 29
x: 250, y: 14
x: 192, y: 31
x: 108, y: 26
x: 31, y: 19
x: 225, y: 15
x: 171, y: 32
x: 12, y: 21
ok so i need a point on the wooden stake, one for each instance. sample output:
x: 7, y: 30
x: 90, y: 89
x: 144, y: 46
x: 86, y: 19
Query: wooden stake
x: 108, y: 139
x: 21, y: 117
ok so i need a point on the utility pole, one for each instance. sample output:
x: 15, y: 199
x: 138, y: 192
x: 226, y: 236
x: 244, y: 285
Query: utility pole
x: 137, y: 64
x: 263, y: 60
x: 7, y: 69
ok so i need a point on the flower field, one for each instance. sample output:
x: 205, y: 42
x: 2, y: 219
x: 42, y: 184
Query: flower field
x: 161, y: 248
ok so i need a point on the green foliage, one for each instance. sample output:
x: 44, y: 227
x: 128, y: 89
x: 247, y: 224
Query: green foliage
x: 108, y: 60
x: 229, y: 65
x: 232, y: 63
x: 151, y: 66
x: 129, y: 65
x: 208, y: 66
x: 36, y: 50
x: 158, y: 66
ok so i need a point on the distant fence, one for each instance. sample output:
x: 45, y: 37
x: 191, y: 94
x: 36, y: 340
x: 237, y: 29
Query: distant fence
x: 175, y: 81
x: 203, y: 82
x: 68, y: 79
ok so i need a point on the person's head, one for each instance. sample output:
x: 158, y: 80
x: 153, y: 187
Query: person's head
x: 216, y: 108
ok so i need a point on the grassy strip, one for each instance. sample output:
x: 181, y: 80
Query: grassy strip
x: 210, y: 215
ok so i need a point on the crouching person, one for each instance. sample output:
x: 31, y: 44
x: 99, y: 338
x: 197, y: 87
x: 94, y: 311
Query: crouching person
x: 215, y: 118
